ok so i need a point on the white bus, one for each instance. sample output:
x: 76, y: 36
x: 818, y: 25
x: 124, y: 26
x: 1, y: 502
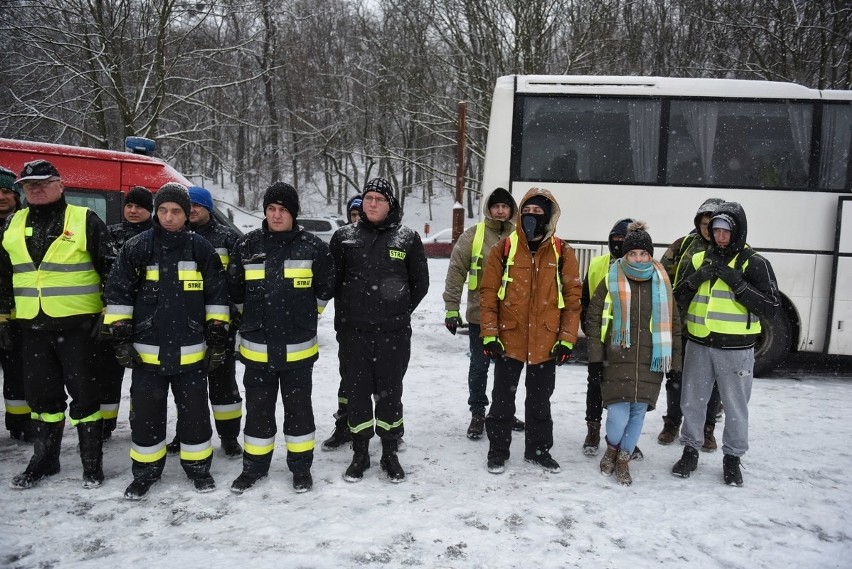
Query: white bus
x: 655, y: 148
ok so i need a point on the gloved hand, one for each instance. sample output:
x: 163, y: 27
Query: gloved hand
x: 120, y: 332
x: 732, y: 277
x: 127, y: 355
x: 97, y: 329
x: 452, y: 321
x: 705, y: 273
x: 216, y: 334
x: 562, y: 351
x: 492, y: 347
x: 6, y: 336
x: 674, y: 377
x: 596, y: 372
x: 214, y: 357
x: 236, y: 319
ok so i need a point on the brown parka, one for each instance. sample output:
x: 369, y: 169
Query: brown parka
x: 528, y: 321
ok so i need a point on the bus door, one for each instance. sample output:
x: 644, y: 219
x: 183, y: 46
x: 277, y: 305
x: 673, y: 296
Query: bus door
x: 839, y: 331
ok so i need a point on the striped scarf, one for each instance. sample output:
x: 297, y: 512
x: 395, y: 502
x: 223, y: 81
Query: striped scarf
x: 661, y: 309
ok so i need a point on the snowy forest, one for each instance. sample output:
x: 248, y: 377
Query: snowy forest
x: 328, y: 93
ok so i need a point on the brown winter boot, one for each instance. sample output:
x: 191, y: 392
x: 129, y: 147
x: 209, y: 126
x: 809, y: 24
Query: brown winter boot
x: 593, y: 439
x: 622, y: 468
x: 709, y: 440
x: 608, y: 460
x: 671, y: 429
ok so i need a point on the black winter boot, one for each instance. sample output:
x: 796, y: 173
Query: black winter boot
x: 45, y: 459
x: 199, y: 472
x: 231, y: 447
x: 687, y: 463
x: 255, y: 468
x: 593, y: 438
x: 360, y: 460
x: 145, y: 474
x: 341, y: 434
x: 390, y: 462
x: 174, y: 446
x: 109, y: 427
x: 476, y: 427
x: 91, y: 452
x: 731, y: 470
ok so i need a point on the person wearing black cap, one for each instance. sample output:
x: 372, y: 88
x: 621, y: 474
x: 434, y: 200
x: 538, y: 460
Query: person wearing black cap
x: 633, y: 335
x: 598, y: 269
x: 381, y: 277
x: 222, y: 381
x: 138, y: 205
x: 53, y: 260
x: 341, y: 435
x: 530, y: 315
x: 675, y: 259
x: 282, y: 277
x: 18, y: 420
x: 724, y: 292
x: 167, y: 314
x: 466, y: 263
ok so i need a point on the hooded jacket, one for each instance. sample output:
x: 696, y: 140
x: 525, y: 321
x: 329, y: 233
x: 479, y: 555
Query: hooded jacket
x: 457, y: 272
x: 760, y: 294
x: 528, y: 319
x: 679, y: 254
x: 381, y: 273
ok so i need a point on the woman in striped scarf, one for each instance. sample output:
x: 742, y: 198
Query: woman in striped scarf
x: 634, y: 339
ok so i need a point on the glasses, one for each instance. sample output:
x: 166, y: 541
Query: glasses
x: 38, y: 183
x: 375, y: 200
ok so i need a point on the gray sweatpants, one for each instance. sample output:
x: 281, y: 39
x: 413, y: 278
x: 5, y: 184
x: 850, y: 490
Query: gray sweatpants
x: 732, y: 370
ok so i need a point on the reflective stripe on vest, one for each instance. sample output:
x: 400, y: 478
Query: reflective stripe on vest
x: 715, y: 308
x: 257, y: 352
x: 255, y: 271
x: 224, y: 256
x: 298, y: 269
x: 189, y: 355
x: 598, y: 269
x: 510, y: 260
x: 65, y: 283
x: 606, y: 315
x: 476, y: 257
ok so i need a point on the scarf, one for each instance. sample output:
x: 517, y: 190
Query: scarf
x: 661, y: 308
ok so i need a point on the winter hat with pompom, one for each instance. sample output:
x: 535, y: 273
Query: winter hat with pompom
x: 637, y: 238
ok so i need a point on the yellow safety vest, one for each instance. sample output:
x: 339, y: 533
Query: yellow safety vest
x: 510, y: 260
x: 65, y: 283
x: 476, y: 257
x: 715, y: 309
x: 598, y: 269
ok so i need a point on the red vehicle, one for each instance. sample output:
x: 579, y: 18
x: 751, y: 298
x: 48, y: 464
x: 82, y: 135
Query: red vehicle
x: 98, y: 179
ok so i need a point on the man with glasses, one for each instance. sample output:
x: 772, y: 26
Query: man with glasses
x: 381, y: 277
x: 53, y: 259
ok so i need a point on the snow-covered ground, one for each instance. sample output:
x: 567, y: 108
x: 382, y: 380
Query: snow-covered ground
x: 450, y: 512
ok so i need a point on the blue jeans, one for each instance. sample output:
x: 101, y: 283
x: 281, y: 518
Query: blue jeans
x: 477, y: 374
x: 624, y: 424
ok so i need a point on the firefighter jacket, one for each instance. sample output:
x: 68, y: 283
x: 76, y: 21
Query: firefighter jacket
x: 52, y: 263
x: 121, y: 232
x: 169, y: 284
x: 281, y: 282
x: 715, y: 315
x: 381, y: 274
x: 222, y: 237
x: 468, y: 260
x: 530, y: 318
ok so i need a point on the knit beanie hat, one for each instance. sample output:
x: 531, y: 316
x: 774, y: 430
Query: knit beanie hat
x: 637, y: 238
x: 283, y: 194
x: 354, y: 203
x: 141, y: 197
x: 721, y: 223
x: 173, y: 192
x: 7, y: 180
x: 383, y: 187
x: 202, y: 197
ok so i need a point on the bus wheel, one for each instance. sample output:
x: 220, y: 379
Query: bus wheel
x: 773, y: 344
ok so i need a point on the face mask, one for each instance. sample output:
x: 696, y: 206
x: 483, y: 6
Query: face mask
x: 615, y: 249
x: 533, y: 225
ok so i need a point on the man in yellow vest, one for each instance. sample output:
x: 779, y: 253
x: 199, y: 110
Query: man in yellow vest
x: 727, y: 290
x: 466, y: 264
x: 52, y: 261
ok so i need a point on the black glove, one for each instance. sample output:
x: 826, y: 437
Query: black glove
x: 6, y: 343
x: 732, y: 277
x: 127, y: 355
x: 120, y: 332
x: 236, y: 319
x: 493, y: 349
x: 596, y: 372
x: 452, y: 321
x: 214, y: 357
x: 674, y: 377
x: 562, y: 352
x: 705, y: 273
x: 216, y: 334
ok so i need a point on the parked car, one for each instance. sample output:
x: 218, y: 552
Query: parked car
x: 439, y: 244
x: 322, y: 227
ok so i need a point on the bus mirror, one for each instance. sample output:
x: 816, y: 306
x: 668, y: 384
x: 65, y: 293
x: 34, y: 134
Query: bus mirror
x: 140, y: 145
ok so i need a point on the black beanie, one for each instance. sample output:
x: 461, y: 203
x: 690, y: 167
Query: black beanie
x: 140, y: 196
x: 283, y: 194
x: 637, y: 238
x: 383, y: 187
x: 542, y: 202
x: 618, y: 230
x: 173, y: 192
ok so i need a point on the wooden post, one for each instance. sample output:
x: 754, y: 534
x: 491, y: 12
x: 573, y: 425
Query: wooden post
x: 458, y: 208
